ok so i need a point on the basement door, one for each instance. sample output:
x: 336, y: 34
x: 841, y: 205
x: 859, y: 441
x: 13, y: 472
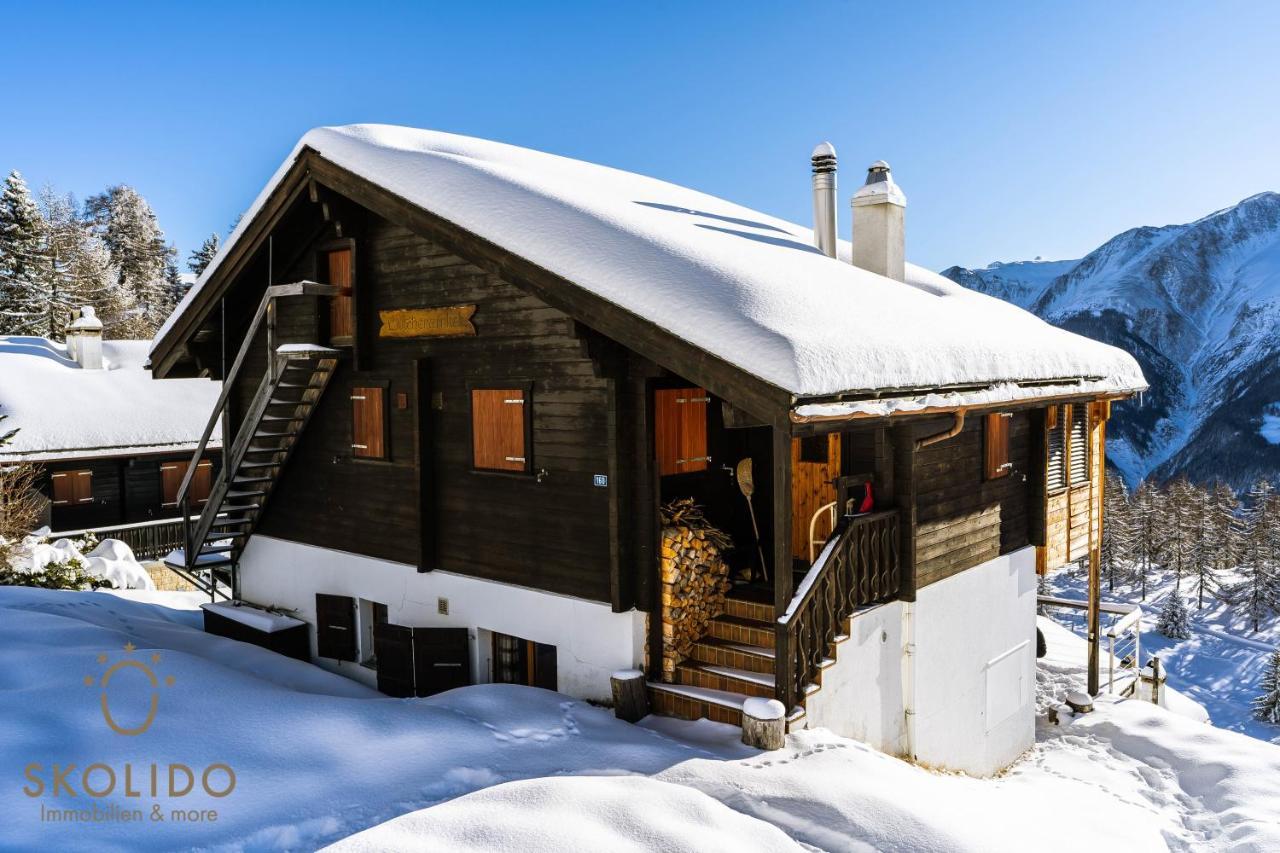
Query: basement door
x: 421, y: 661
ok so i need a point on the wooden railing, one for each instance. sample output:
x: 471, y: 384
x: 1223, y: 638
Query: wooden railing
x: 858, y: 566
x: 149, y: 540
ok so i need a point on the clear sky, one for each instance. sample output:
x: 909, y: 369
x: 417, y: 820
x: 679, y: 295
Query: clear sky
x: 1016, y: 129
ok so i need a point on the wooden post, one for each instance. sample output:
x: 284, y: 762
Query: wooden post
x: 764, y: 723
x: 630, y: 695
x: 1094, y: 615
x: 782, y: 579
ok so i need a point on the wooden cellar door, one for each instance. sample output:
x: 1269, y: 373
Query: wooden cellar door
x: 441, y: 659
x: 335, y: 627
x: 393, y: 647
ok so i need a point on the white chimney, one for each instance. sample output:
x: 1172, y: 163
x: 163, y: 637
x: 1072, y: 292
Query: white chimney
x: 84, y: 339
x: 824, y: 198
x: 879, y: 229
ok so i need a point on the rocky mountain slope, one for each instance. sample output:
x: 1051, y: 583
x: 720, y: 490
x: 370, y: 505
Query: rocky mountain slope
x: 1199, y: 306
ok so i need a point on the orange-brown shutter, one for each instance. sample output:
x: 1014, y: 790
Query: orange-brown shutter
x: 680, y: 430
x: 171, y: 474
x: 498, y: 420
x: 202, y: 482
x: 997, y: 457
x: 368, y: 427
x: 64, y: 487
x: 340, y: 307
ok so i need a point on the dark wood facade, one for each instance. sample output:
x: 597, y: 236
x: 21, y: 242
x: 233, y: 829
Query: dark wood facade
x: 121, y: 490
x: 576, y: 511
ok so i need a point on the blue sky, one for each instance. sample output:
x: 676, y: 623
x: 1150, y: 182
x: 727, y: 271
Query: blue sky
x: 1016, y: 129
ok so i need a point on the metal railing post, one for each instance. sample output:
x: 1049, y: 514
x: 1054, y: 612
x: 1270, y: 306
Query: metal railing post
x: 1111, y: 664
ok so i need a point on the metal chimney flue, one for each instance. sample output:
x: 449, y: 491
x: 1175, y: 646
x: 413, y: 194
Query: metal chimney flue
x: 824, y: 198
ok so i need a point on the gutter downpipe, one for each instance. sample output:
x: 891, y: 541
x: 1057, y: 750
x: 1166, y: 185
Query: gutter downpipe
x: 956, y: 426
x: 909, y: 680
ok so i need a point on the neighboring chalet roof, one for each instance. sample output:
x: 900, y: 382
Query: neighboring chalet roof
x: 64, y: 411
x: 746, y: 287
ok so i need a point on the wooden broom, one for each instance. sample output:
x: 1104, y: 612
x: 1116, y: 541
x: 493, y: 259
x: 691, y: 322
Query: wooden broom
x: 747, y: 485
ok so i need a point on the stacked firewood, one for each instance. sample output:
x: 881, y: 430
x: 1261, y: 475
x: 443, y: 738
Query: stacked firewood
x: 695, y: 578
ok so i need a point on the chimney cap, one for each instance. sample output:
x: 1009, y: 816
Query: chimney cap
x: 879, y: 187
x: 823, y: 149
x: 87, y: 321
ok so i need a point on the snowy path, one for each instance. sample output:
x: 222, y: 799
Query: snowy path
x: 498, y: 767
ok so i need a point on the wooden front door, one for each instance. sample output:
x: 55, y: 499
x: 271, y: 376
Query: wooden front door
x: 815, y: 465
x: 393, y: 648
x: 341, y: 308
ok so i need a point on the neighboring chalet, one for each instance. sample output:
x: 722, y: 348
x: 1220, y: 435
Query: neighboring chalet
x: 111, y: 444
x: 465, y: 377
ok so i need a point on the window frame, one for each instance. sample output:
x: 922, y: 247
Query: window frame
x: 384, y: 385
x: 73, y: 500
x: 525, y: 387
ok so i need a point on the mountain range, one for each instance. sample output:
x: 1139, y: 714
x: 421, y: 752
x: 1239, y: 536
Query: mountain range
x: 1199, y: 306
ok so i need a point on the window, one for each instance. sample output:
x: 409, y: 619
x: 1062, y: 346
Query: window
x: 519, y: 661
x: 500, y: 429
x: 680, y: 430
x: 72, y: 487
x: 372, y: 613
x: 171, y: 474
x: 816, y: 449
x: 997, y: 444
x: 1056, y: 476
x: 338, y: 268
x: 369, y: 422
x: 335, y: 627
x: 1078, y: 444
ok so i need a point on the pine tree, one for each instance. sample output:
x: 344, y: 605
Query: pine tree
x: 1267, y: 706
x: 22, y: 303
x: 127, y: 226
x: 1148, y: 544
x: 1117, y: 531
x: 202, y: 257
x: 1259, y: 589
x: 1174, y: 620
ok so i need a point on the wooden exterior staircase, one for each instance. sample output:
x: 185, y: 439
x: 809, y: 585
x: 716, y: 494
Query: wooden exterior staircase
x: 748, y: 651
x: 296, y: 378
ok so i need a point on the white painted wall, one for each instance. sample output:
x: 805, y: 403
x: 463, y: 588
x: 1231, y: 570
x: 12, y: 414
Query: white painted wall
x: 591, y: 640
x: 971, y: 677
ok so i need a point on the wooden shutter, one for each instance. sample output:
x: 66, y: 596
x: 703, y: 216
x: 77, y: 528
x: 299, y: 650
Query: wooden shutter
x: 680, y: 430
x: 1078, y: 453
x: 341, y: 320
x: 202, y: 482
x: 544, y: 666
x: 335, y: 627
x: 1056, y: 475
x: 499, y: 429
x: 441, y: 659
x: 72, y: 487
x: 369, y: 422
x: 393, y: 647
x: 171, y: 474
x: 997, y: 445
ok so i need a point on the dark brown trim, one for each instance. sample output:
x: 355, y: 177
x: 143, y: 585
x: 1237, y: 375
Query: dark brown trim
x: 424, y: 455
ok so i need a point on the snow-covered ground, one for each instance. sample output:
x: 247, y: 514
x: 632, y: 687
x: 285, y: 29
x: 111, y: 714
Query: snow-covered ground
x: 1221, y: 666
x: 319, y: 759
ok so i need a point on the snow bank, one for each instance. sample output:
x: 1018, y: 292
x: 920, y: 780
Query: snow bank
x: 575, y: 815
x: 319, y: 757
x: 742, y: 285
x: 60, y: 408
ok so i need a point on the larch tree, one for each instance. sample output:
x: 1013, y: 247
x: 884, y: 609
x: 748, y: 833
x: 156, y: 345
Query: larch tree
x: 22, y: 302
x: 1148, y: 541
x: 1258, y: 591
x: 1117, y: 531
x: 1205, y: 570
x: 202, y: 257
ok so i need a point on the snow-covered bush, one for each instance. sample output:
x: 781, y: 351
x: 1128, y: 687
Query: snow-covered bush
x: 1174, y: 621
x: 63, y: 564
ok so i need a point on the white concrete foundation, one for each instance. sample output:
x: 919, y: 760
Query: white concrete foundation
x: 948, y: 680
x: 591, y: 640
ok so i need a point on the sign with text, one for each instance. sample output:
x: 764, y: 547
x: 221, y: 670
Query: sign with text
x: 447, y: 322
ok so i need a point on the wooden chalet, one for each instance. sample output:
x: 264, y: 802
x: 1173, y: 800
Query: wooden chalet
x: 111, y: 446
x: 462, y: 379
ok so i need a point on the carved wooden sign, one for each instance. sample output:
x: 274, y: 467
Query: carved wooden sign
x: 451, y: 321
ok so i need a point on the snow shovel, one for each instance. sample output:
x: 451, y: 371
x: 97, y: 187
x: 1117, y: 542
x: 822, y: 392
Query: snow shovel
x: 747, y: 485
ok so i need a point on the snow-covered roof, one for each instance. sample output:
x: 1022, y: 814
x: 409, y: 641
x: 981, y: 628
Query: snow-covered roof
x: 62, y: 410
x: 742, y: 285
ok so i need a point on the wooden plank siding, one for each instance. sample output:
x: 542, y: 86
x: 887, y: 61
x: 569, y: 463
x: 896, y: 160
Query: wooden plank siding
x: 962, y: 518
x: 552, y: 534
